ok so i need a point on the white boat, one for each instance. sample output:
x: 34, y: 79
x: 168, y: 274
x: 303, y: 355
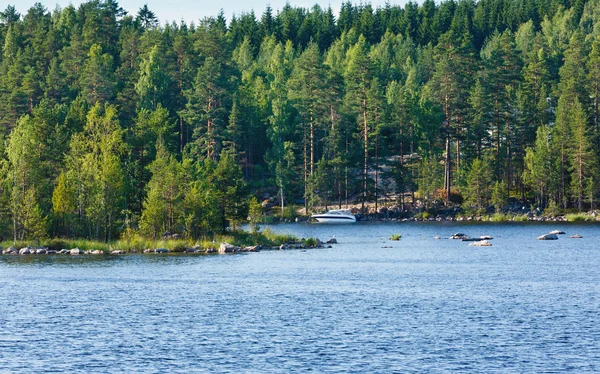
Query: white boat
x: 336, y: 216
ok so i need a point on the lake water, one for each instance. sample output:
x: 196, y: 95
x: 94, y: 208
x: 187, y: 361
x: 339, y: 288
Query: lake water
x: 423, y: 305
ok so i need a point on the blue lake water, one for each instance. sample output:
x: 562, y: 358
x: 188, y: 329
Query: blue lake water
x: 423, y: 305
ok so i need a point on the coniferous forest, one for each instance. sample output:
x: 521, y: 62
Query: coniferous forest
x: 111, y: 122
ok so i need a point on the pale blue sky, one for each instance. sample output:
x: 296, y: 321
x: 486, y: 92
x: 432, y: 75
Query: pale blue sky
x: 190, y: 10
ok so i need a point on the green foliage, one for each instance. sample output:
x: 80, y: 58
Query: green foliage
x: 255, y: 213
x: 395, y: 237
x: 479, y: 184
x: 500, y: 217
x: 485, y: 98
x: 579, y: 217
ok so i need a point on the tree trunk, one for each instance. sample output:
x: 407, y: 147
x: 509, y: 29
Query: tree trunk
x: 366, y: 155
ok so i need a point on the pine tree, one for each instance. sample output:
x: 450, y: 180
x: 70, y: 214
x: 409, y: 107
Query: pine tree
x: 307, y: 86
x: 582, y: 156
x: 96, y: 80
x: 206, y: 109
x: 479, y: 184
x: 357, y: 76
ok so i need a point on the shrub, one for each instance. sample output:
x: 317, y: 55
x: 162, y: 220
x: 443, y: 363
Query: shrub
x: 578, y: 217
x: 395, y: 237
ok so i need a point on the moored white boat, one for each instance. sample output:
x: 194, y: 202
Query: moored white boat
x: 335, y: 216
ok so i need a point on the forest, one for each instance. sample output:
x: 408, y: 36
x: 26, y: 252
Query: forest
x: 112, y: 123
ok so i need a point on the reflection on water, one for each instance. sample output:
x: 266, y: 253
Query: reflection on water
x: 366, y: 305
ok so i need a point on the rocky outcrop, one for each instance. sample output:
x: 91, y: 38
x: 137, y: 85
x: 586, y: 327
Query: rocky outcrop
x: 332, y: 241
x: 117, y: 252
x: 557, y: 232
x: 548, y: 237
x: 75, y: 252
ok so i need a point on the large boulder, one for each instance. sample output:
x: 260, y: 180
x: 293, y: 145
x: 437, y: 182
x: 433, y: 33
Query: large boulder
x: 26, y: 251
x: 97, y: 252
x: 332, y: 241
x: 76, y: 252
x: 41, y: 251
x: 557, y: 232
x: 548, y: 237
x: 117, y: 252
x: 228, y: 248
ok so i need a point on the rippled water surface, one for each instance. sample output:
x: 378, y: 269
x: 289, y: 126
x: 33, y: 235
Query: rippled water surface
x: 366, y: 305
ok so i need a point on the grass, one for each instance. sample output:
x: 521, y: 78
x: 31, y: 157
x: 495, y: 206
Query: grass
x: 579, y: 217
x: 521, y: 218
x: 395, y: 237
x: 500, y: 217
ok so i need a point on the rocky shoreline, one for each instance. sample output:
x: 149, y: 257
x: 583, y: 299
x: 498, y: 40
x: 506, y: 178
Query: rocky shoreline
x: 224, y: 248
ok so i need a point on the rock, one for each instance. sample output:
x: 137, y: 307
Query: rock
x: 75, y: 252
x: 228, y: 248
x: 189, y: 250
x: 485, y: 237
x: 211, y: 250
x: 481, y: 243
x: 437, y: 237
x: 63, y: 251
x: 25, y: 251
x: 318, y: 242
x: 161, y: 250
x: 97, y: 252
x: 51, y: 252
x: 283, y: 246
x: 459, y: 235
x: 576, y: 236
x: 557, y: 232
x: 10, y: 251
x: 548, y: 237
x: 41, y: 251
x: 148, y: 250
x: 254, y: 248
x: 117, y: 252
x: 332, y: 241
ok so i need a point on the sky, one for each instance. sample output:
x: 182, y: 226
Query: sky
x: 190, y: 10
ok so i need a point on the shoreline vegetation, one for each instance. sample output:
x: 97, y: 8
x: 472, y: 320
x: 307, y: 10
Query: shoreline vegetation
x: 241, y: 241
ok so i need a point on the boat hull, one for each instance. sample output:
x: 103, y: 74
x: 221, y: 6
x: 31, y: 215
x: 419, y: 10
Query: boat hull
x: 329, y: 219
